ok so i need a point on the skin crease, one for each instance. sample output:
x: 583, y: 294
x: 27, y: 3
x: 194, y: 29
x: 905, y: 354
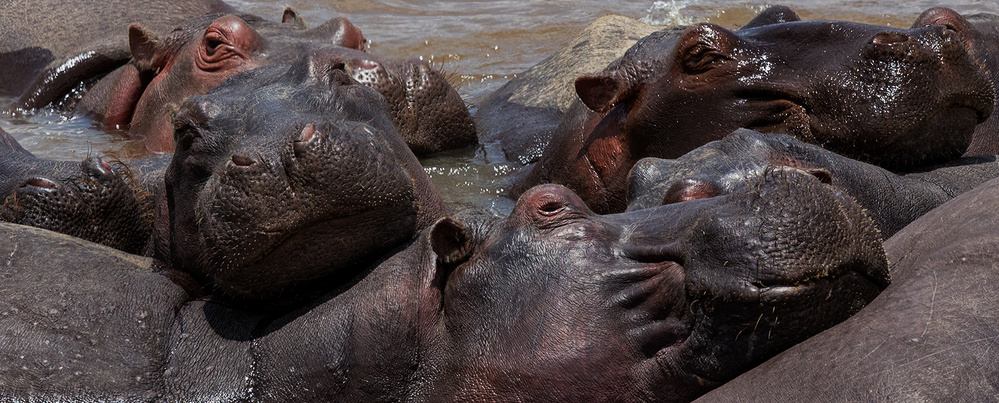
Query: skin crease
x: 477, y: 308
x: 652, y: 102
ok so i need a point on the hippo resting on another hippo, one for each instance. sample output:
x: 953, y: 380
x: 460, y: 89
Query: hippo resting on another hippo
x: 930, y: 336
x: 146, y: 83
x: 672, y: 93
x: 293, y: 167
x: 892, y: 201
x: 551, y: 303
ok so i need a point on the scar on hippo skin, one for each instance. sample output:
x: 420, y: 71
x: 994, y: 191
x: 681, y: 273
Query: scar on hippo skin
x: 652, y: 102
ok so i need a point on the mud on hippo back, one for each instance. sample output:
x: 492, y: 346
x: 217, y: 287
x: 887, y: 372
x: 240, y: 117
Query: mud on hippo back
x: 821, y: 81
x: 657, y: 305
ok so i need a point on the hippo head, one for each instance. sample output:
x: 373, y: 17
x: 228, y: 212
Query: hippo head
x: 92, y: 199
x: 285, y: 176
x: 198, y: 56
x: 896, y: 98
x: 558, y: 303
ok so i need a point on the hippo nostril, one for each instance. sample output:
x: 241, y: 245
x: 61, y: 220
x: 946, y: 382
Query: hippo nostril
x: 40, y: 183
x: 306, y: 137
x: 242, y: 161
x: 889, y: 37
x: 823, y: 175
x: 690, y: 189
x: 97, y: 168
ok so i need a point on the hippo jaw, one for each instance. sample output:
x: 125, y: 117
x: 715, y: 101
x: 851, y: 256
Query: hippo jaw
x: 674, y: 300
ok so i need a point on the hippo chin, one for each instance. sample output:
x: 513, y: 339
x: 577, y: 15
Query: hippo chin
x: 552, y: 303
x: 766, y: 76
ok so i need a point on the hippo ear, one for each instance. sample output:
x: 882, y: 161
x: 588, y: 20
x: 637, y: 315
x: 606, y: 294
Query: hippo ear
x: 704, y: 47
x: 291, y: 16
x: 600, y: 92
x: 144, y: 45
x: 773, y: 15
x: 449, y: 241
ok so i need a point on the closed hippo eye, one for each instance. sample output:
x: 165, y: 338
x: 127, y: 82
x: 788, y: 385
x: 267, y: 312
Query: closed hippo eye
x: 551, y: 208
x: 228, y: 39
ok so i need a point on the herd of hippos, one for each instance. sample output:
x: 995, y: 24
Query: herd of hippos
x: 791, y: 211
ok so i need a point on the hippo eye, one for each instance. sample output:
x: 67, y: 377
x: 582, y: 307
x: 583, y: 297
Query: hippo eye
x: 701, y: 58
x: 551, y: 208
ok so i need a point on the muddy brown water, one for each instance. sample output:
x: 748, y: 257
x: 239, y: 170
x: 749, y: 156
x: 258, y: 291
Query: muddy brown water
x: 481, y: 44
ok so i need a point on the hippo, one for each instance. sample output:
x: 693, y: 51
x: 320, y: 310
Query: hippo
x: 891, y: 200
x: 540, y: 96
x: 671, y: 93
x: 107, y: 202
x: 143, y: 85
x: 552, y: 302
x: 85, y: 39
x: 296, y: 166
x: 285, y: 172
x: 930, y: 336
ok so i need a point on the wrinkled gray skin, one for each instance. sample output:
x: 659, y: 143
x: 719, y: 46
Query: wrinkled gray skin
x: 285, y: 175
x: 821, y: 81
x: 657, y: 305
x: 891, y: 200
x: 107, y: 203
x: 930, y: 336
x: 539, y: 96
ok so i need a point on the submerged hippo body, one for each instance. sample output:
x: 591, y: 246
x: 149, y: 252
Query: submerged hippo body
x: 658, y: 305
x: 930, y: 336
x: 672, y: 93
x: 891, y: 200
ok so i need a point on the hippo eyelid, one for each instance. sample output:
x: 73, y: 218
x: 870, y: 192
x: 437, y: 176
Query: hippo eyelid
x: 551, y: 208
